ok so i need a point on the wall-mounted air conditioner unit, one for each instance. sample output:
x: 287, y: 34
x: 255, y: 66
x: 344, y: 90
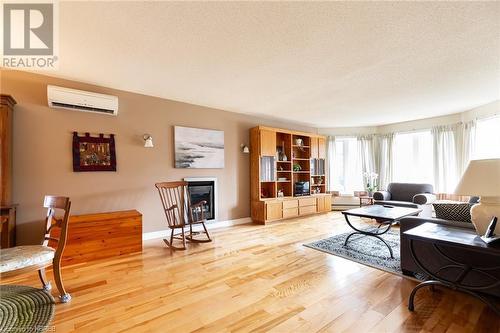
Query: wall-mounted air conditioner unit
x: 79, y: 100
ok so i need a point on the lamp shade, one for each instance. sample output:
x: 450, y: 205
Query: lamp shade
x: 481, y: 178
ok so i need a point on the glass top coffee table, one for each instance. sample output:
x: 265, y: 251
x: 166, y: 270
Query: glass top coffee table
x: 384, y: 214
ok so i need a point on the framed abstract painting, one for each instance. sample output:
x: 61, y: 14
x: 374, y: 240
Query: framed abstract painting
x: 198, y: 148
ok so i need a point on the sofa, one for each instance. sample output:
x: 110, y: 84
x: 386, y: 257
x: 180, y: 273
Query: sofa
x: 427, y: 254
x: 407, y: 195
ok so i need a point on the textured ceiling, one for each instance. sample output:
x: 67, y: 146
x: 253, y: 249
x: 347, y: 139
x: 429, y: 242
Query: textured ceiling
x: 323, y: 64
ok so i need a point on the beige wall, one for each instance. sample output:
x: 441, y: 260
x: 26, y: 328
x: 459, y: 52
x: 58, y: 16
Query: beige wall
x: 43, y: 160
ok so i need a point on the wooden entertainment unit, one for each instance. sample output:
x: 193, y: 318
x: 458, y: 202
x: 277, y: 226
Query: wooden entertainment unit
x: 287, y: 174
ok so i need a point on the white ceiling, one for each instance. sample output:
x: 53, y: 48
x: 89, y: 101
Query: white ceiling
x: 322, y: 64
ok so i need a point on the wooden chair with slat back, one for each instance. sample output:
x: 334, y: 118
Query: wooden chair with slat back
x: 22, y: 259
x: 180, y: 213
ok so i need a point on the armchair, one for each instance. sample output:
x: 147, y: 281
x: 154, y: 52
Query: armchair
x: 405, y: 195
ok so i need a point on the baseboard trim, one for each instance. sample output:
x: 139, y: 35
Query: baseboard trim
x: 343, y: 207
x: 210, y: 226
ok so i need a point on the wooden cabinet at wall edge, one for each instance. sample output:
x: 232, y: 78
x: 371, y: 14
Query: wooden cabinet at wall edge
x: 284, y: 176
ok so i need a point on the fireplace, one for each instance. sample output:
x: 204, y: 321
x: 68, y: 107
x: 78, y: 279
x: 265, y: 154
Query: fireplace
x: 204, y: 189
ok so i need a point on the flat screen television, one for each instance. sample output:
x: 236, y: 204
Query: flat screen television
x: 301, y: 188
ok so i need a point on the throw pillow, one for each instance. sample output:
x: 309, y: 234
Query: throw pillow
x: 453, y: 211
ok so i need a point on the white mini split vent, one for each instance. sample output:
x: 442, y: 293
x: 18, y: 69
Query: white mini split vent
x: 79, y: 100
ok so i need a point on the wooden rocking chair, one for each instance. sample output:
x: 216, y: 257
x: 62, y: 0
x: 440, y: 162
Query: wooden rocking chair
x: 181, y: 213
x: 21, y: 259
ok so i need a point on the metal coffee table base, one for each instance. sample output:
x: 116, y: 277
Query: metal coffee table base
x: 376, y: 234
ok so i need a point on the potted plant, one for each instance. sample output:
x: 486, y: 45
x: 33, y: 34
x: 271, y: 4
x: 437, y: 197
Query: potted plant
x: 371, y: 179
x: 296, y: 167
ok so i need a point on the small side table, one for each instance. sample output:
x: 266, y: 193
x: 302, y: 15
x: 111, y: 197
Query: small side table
x: 459, y: 248
x: 365, y: 201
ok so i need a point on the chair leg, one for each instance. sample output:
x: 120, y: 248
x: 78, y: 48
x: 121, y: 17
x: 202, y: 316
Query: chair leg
x: 64, y: 296
x: 171, y: 243
x: 206, y: 231
x: 45, y: 284
x: 192, y: 239
x: 183, y: 238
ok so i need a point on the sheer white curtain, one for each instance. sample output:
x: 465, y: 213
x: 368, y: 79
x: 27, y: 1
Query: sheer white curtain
x: 367, y: 151
x: 467, y: 144
x: 385, y: 159
x: 345, y: 165
x: 330, y: 154
x: 446, y: 153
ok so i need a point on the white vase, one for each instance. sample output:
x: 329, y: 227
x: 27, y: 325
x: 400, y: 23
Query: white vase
x: 483, y: 212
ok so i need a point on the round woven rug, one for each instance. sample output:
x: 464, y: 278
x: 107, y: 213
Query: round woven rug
x: 25, y: 309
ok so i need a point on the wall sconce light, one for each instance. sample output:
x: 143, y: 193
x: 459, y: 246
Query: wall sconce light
x: 244, y: 149
x: 148, y: 141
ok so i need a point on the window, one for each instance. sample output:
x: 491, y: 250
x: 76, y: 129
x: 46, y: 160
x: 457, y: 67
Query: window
x: 487, y: 143
x: 347, y: 175
x: 413, y: 157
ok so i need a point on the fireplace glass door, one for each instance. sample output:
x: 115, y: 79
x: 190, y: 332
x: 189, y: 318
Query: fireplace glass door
x: 203, y: 191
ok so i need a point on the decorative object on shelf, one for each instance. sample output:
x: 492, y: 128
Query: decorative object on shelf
x: 296, y: 167
x: 299, y: 142
x: 198, y: 148
x: 319, y: 180
x: 280, y: 193
x: 244, y: 149
x: 264, y: 193
x: 282, y: 179
x: 371, y: 182
x: 281, y: 168
x: 148, y: 141
x: 482, y: 178
x: 94, y: 153
x: 283, y: 156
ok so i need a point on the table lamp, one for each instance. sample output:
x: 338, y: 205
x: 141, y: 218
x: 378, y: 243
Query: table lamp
x: 482, y: 178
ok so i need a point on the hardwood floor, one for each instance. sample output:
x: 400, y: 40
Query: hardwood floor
x: 254, y: 278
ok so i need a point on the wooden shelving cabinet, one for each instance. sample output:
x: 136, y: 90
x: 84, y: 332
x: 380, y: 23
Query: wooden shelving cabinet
x: 280, y: 159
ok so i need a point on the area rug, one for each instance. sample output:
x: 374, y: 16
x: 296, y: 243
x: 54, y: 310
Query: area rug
x: 365, y: 250
x: 25, y: 309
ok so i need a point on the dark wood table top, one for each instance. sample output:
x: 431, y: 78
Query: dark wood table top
x: 447, y: 235
x: 381, y: 212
